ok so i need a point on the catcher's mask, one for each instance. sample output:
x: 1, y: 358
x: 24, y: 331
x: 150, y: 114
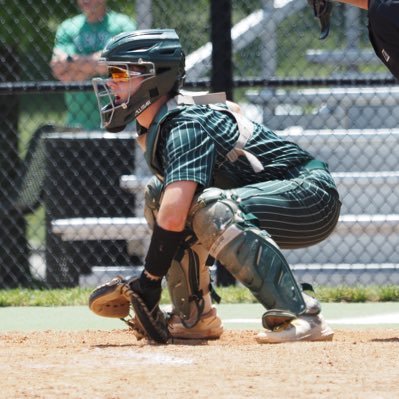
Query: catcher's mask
x: 143, y: 66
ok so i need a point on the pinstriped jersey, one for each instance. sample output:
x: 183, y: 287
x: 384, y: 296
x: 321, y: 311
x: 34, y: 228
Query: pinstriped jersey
x: 193, y: 145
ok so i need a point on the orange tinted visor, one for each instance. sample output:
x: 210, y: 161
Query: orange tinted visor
x: 121, y: 74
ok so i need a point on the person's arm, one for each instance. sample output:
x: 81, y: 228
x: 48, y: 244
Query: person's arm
x: 169, y: 228
x: 357, y: 3
x: 76, y: 67
x: 175, y: 205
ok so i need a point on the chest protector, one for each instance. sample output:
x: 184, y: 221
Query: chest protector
x: 213, y: 100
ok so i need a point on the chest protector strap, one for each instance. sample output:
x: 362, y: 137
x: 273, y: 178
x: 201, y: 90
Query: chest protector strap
x: 245, y: 126
x: 246, y: 129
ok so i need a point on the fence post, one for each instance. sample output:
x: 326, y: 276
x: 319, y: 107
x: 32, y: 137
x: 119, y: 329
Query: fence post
x: 222, y: 79
x: 222, y: 64
x: 14, y: 254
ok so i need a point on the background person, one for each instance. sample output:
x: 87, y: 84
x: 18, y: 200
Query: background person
x: 78, y: 44
x: 383, y: 26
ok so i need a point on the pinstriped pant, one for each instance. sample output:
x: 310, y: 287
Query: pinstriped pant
x: 297, y: 212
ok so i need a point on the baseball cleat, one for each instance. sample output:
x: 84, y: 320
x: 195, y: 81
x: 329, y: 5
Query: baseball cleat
x: 208, y: 327
x: 303, y: 328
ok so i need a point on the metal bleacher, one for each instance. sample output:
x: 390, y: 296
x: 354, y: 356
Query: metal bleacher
x: 362, y: 249
x: 328, y: 108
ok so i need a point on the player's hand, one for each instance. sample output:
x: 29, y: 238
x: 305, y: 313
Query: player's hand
x: 322, y: 10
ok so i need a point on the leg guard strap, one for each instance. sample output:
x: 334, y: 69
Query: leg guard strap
x: 188, y: 283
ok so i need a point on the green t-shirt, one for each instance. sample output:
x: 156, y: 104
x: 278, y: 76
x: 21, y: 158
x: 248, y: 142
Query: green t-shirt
x: 77, y: 36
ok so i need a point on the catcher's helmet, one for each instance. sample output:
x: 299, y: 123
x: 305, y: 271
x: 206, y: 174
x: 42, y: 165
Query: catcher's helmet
x: 155, y: 52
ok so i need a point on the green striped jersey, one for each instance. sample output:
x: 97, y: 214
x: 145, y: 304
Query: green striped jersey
x: 193, y: 144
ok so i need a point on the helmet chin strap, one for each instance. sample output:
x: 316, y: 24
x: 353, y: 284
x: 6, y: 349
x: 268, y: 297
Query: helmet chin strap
x: 116, y: 129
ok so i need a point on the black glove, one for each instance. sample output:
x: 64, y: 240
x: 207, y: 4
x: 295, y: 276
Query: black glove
x: 322, y: 10
x: 151, y: 320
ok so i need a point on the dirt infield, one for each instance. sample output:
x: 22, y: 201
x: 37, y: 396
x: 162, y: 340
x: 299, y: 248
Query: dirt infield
x: 112, y: 364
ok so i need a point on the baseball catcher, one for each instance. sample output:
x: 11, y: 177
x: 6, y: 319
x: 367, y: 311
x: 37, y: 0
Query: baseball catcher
x: 224, y: 187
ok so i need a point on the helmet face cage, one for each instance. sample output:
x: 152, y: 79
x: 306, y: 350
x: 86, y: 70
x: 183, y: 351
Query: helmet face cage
x: 108, y: 104
x: 158, y: 55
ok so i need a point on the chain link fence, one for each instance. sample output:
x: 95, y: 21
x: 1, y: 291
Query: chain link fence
x: 71, y: 198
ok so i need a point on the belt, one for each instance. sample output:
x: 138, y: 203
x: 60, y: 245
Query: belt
x: 315, y: 164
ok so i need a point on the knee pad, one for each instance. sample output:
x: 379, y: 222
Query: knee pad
x: 152, y: 200
x: 247, y: 252
x: 211, y: 213
x: 188, y: 282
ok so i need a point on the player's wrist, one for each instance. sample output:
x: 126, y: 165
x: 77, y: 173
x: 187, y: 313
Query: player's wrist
x: 162, y: 249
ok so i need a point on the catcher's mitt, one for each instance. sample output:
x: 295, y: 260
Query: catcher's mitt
x: 114, y: 298
x: 322, y: 10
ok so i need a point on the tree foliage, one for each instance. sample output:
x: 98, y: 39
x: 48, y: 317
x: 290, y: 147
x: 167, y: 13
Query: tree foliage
x: 29, y: 26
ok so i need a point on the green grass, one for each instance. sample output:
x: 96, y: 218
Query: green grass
x: 230, y: 295
x: 359, y: 294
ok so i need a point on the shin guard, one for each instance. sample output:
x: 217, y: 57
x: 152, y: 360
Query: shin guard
x: 248, y: 252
